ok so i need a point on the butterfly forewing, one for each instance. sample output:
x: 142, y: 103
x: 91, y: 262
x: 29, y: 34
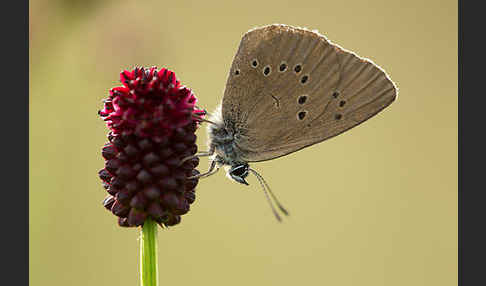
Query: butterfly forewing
x: 289, y: 88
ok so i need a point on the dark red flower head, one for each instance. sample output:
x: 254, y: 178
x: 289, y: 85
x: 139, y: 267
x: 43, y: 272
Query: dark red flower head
x: 153, y: 119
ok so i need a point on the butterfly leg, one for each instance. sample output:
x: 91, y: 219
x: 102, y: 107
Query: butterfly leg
x: 203, y: 109
x: 199, y: 154
x: 212, y: 170
x: 204, y: 120
x: 199, y: 116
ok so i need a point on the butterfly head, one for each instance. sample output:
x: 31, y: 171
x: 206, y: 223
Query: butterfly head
x: 239, y: 172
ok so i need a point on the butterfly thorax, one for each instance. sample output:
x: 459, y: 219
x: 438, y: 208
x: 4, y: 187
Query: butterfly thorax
x: 222, y: 142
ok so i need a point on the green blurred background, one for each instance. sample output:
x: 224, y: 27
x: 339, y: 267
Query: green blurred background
x: 374, y: 206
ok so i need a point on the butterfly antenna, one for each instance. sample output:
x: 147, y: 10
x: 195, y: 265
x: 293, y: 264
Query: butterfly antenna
x: 268, y: 198
x: 279, y: 205
x: 266, y: 191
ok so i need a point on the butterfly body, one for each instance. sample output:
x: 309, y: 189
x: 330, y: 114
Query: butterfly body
x: 223, y: 145
x: 289, y: 88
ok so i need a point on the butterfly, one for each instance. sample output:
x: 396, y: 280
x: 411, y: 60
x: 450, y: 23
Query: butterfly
x: 289, y: 88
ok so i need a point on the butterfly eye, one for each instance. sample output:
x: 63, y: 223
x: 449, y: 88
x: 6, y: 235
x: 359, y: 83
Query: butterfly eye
x: 237, y: 72
x: 240, y: 171
x: 266, y: 71
x: 283, y: 67
x: 254, y: 63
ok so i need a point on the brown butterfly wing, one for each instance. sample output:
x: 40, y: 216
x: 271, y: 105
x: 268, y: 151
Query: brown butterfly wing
x: 341, y: 90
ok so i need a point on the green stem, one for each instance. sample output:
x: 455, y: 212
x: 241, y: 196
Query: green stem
x: 149, y: 273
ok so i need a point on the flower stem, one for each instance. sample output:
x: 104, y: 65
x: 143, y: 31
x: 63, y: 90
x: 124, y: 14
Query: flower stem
x: 149, y: 274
